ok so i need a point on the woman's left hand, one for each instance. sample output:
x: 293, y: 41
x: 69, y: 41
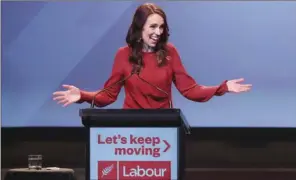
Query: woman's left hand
x: 235, y: 86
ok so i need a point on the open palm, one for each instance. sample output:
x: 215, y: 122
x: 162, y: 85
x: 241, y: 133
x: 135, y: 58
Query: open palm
x: 235, y: 86
x: 67, y: 97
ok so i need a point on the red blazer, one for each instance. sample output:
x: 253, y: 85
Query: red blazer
x: 139, y: 94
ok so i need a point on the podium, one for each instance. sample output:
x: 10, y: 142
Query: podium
x: 134, y: 144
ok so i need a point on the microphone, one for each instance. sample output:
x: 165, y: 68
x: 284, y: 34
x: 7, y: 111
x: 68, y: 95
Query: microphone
x: 185, y: 125
x: 134, y: 71
x: 137, y: 71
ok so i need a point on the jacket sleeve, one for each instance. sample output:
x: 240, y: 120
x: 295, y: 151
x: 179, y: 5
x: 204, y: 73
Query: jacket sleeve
x: 104, y: 98
x: 187, y: 86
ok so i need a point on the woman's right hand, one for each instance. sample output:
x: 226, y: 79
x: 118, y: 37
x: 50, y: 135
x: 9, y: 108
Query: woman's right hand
x: 67, y: 97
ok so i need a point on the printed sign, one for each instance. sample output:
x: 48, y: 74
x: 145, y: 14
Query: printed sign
x: 134, y: 170
x: 133, y: 153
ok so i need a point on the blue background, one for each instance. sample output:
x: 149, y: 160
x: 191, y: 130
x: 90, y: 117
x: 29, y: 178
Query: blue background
x: 47, y: 44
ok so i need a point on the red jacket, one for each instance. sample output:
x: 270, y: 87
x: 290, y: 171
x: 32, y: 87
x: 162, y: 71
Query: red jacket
x: 139, y: 94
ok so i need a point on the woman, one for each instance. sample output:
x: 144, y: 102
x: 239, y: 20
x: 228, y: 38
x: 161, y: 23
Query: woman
x: 147, y: 67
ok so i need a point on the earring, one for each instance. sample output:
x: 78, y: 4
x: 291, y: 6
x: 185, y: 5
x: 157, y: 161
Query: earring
x: 139, y: 40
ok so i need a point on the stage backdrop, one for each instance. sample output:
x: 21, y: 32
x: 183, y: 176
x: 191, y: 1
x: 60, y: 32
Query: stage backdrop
x: 47, y: 44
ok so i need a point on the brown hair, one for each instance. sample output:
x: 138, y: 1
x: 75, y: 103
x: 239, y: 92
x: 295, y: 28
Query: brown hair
x: 134, y: 35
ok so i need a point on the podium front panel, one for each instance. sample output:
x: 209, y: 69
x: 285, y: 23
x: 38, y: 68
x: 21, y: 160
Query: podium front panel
x: 133, y: 153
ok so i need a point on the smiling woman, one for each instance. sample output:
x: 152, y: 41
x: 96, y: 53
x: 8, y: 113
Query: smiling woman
x: 147, y: 67
x: 149, y: 32
x: 152, y: 30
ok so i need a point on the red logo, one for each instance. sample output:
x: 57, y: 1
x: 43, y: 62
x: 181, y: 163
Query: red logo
x: 148, y: 170
x: 134, y: 170
x: 107, y: 170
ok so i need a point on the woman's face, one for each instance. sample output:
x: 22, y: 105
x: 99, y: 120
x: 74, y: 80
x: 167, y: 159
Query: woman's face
x: 152, y: 30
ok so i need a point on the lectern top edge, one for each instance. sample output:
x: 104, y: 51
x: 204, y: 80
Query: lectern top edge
x: 138, y: 117
x: 170, y: 110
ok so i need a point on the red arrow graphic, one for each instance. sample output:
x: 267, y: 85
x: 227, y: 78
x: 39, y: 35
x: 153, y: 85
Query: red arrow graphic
x: 167, y: 146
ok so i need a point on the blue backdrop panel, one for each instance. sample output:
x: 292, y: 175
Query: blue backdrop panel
x: 47, y: 44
